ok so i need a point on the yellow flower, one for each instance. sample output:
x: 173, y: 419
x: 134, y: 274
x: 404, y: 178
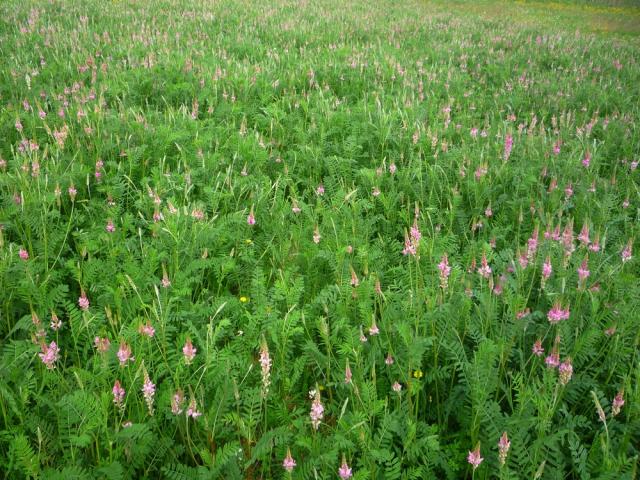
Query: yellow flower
x: 244, y: 299
x: 248, y: 241
x: 417, y: 374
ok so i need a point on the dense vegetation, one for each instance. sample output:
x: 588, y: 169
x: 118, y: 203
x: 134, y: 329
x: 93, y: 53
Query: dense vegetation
x: 315, y: 240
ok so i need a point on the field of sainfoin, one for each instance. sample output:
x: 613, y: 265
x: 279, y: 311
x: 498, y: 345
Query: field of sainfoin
x: 319, y: 240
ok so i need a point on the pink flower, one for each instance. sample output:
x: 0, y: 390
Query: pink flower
x: 474, y: 457
x: 396, y: 387
x: 347, y: 374
x: 320, y: 190
x: 124, y: 354
x: 484, y: 270
x: 557, y: 313
x: 345, y: 471
x: 626, y: 252
x: 118, y: 393
x: 617, y: 403
x: 389, y: 360
x: 583, y: 237
x: 147, y: 330
x: 101, y: 344
x: 288, y: 463
x: 566, y: 371
x: 24, y: 255
x: 583, y: 270
x: 265, y: 366
x: 176, y: 402
x: 547, y: 269
x: 49, y: 355
x: 317, y: 411
x: 251, y: 220
x: 508, y: 145
x: 189, y: 352
x: 192, y: 411
x: 503, y: 448
x: 354, y: 278
x: 56, y: 323
x: 72, y: 192
x: 373, y: 329
x: 392, y: 168
x: 587, y: 159
x: 445, y: 271
x: 83, y: 301
x: 316, y: 235
x: 409, y: 246
x: 538, y: 349
x: 148, y: 391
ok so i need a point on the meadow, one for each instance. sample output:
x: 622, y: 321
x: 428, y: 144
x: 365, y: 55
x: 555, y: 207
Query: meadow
x: 319, y: 240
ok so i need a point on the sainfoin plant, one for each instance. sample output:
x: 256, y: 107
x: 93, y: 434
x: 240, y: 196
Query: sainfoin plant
x: 319, y: 240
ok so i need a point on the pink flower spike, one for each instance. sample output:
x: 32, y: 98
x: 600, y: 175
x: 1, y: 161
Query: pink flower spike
x: 49, y: 355
x: 503, y: 448
x: 24, y: 255
x: 345, y: 471
x: 118, y: 393
x: 288, y: 463
x: 83, y: 301
x: 474, y: 457
x: 189, y: 352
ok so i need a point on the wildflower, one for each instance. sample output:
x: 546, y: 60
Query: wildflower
x: 251, y: 219
x: 396, y: 387
x: 347, y: 373
x: 265, y: 365
x: 474, y: 457
x: 595, y: 246
x: 295, y: 208
x: 118, y: 393
x: 626, y: 252
x: 583, y: 270
x: 192, y: 411
x: 617, y: 403
x: 503, y: 448
x: 72, y: 192
x: 56, y: 323
x: 583, y: 237
x: 484, y: 270
x: 389, y: 360
x: 244, y: 299
x: 189, y: 352
x: 49, y: 355
x: 354, y: 278
x: 508, y: 145
x: 392, y: 168
x: 537, y: 348
x: 320, y: 190
x: 83, y: 301
x: 317, y: 411
x: 566, y: 371
x: 409, y: 246
x: 101, y: 344
x: 345, y: 471
x: 148, y: 391
x: 445, y: 271
x: 553, y: 359
x: 24, y: 255
x: 377, y: 287
x: 288, y: 463
x: 532, y: 245
x: 556, y: 147
x: 417, y: 374
x: 523, y: 313
x: 177, y: 399
x: 557, y: 313
x: 165, y: 282
x: 110, y: 227
x: 363, y: 337
x: 587, y: 159
x: 373, y: 329
x: 416, y: 235
x: 147, y: 329
x: 316, y: 235
x: 124, y: 354
x: 547, y: 269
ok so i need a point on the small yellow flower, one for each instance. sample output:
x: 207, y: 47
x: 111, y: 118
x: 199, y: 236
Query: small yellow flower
x: 321, y: 387
x: 248, y: 241
x: 244, y: 299
x: 417, y: 374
